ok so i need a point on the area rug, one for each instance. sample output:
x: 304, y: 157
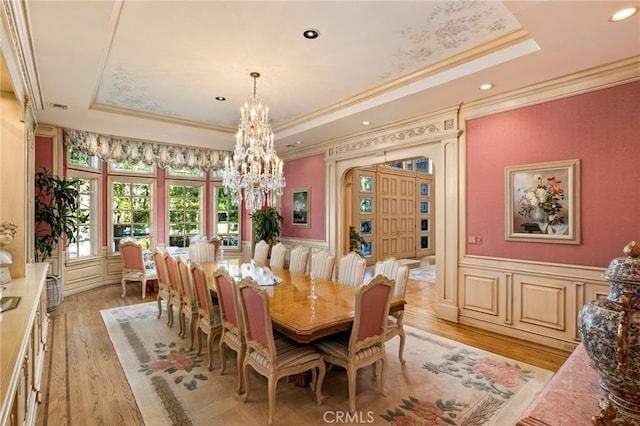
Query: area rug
x: 426, y: 274
x: 442, y: 383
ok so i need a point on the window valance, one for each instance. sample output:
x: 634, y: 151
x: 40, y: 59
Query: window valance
x: 134, y: 151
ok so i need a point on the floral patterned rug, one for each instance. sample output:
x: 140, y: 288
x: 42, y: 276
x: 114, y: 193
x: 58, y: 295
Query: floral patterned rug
x: 442, y: 383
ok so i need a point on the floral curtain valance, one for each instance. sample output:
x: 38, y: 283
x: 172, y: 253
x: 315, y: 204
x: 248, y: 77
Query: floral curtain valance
x: 110, y: 148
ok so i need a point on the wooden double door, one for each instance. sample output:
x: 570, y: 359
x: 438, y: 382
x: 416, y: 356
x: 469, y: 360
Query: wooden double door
x: 392, y: 209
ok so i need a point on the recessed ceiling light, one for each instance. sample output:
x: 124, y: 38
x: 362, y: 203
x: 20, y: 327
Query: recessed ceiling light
x: 623, y: 14
x: 220, y: 98
x: 486, y: 86
x: 311, y: 33
x: 290, y: 145
x: 298, y: 142
x: 365, y: 123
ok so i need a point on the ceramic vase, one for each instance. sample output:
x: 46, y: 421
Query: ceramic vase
x: 610, y: 332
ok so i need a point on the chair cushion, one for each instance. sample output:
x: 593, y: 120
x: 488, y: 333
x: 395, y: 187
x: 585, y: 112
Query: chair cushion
x: 338, y: 348
x: 232, y: 337
x: 288, y: 353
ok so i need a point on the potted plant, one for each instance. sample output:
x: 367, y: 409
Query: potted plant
x: 56, y: 214
x: 355, y: 240
x: 267, y: 223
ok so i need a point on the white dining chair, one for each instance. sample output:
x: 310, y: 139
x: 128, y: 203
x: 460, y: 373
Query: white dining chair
x: 261, y: 252
x: 322, y: 264
x: 298, y: 259
x: 351, y: 269
x: 202, y: 251
x: 278, y: 255
x: 393, y: 270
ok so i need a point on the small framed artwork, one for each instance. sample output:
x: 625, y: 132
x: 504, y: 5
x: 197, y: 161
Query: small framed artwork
x: 366, y: 205
x: 366, y: 183
x: 543, y: 202
x: 300, y: 208
x: 366, y: 249
x: 424, y: 189
x: 424, y: 207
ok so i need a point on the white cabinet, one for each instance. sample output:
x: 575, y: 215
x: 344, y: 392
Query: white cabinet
x: 23, y: 337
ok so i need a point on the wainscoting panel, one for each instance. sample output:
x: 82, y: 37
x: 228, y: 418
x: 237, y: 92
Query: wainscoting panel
x: 535, y: 301
x: 480, y: 294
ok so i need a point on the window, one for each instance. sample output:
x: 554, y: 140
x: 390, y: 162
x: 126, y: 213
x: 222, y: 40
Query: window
x: 184, y: 212
x: 125, y: 166
x: 185, y: 172
x: 88, y: 219
x: 131, y: 211
x: 82, y: 161
x: 226, y: 218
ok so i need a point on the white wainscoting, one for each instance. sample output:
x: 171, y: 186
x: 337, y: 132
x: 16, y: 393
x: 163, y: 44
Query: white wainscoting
x: 535, y: 301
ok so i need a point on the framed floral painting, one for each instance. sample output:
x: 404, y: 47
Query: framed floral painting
x: 301, y: 205
x: 543, y: 202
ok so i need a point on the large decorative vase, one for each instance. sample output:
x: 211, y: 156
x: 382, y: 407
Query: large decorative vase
x: 610, y: 332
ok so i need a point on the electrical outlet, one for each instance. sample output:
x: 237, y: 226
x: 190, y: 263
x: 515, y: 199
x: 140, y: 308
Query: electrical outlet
x: 478, y: 239
x: 472, y: 239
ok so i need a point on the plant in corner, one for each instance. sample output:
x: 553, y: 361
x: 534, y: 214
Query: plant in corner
x: 268, y: 223
x: 355, y: 240
x: 56, y: 212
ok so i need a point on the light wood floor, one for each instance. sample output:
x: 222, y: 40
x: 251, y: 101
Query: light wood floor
x: 83, y: 382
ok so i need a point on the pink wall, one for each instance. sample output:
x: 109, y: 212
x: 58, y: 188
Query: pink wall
x: 305, y: 173
x: 601, y: 129
x: 43, y: 153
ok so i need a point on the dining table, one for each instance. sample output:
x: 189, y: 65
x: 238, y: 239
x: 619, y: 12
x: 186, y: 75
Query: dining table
x: 293, y: 312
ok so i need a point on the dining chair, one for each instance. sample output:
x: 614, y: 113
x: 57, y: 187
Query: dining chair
x: 273, y: 358
x: 164, y: 288
x: 175, y: 287
x: 202, y: 251
x: 278, y: 255
x: 189, y: 306
x: 261, y: 252
x: 298, y: 259
x: 351, y: 268
x: 364, y: 344
x: 394, y: 270
x: 215, y: 242
x: 134, y: 268
x: 208, y: 314
x: 322, y: 264
x: 232, y: 336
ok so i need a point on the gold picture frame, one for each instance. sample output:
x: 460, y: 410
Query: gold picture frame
x: 543, y: 202
x: 301, y: 208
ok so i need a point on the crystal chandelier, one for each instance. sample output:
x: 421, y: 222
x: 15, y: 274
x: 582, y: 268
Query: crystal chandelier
x: 255, y: 167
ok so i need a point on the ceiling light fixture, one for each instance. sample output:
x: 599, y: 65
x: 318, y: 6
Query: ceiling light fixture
x: 486, y: 86
x: 255, y: 168
x: 220, y: 98
x: 623, y: 14
x: 365, y: 123
x: 311, y: 34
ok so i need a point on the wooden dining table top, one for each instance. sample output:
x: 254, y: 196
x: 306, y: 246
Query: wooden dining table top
x: 296, y: 315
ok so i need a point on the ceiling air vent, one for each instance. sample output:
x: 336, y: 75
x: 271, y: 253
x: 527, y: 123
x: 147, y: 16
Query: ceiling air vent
x: 58, y: 106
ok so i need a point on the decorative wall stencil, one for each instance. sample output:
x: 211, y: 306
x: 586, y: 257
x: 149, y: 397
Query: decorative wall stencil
x: 109, y: 148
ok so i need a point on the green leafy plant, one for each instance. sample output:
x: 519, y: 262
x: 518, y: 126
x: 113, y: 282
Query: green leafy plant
x: 56, y: 212
x: 355, y: 240
x: 268, y: 224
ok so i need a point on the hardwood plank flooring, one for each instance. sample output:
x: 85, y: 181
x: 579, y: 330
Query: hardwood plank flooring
x: 83, y: 382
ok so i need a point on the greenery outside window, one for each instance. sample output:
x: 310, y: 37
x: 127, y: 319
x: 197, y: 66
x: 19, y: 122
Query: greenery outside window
x: 185, y: 213
x: 82, y: 161
x: 88, y: 219
x: 226, y: 218
x: 125, y: 166
x: 131, y: 211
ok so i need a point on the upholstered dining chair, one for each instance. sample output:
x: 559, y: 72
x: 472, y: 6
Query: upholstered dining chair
x: 208, y: 314
x: 202, y: 251
x: 175, y: 287
x: 278, y: 255
x: 351, y: 268
x: 134, y: 268
x: 232, y: 336
x: 261, y: 252
x: 189, y: 305
x: 393, y: 270
x: 322, y: 264
x: 298, y: 259
x: 273, y: 358
x: 364, y: 345
x: 164, y: 288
